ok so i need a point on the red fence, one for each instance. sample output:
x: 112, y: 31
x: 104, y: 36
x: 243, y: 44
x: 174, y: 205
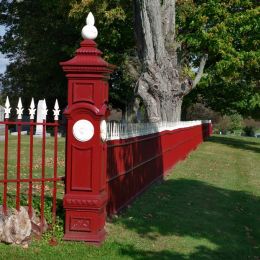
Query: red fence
x: 24, y: 177
x: 135, y: 163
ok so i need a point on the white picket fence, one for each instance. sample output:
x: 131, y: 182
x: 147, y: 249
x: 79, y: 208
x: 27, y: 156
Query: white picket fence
x: 116, y: 131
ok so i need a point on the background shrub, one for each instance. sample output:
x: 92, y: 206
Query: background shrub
x: 223, y: 125
x: 199, y: 111
x: 236, y: 122
x: 250, y: 127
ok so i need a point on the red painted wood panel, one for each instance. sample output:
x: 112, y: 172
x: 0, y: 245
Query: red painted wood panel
x: 135, y: 163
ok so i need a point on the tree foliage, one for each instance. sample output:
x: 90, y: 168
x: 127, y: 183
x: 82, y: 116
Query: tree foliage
x: 42, y: 33
x: 39, y: 35
x: 114, y: 20
x: 228, y: 30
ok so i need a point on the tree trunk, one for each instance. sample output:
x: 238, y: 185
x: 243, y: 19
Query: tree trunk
x: 160, y: 85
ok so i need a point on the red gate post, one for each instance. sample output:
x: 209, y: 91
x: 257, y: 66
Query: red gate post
x: 86, y: 193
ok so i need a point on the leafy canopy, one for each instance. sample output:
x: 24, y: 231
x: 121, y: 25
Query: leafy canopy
x: 42, y: 33
x: 228, y: 30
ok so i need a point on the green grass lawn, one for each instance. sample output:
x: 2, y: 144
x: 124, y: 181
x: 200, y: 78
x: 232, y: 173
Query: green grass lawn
x: 207, y: 208
x: 37, y: 164
x: 37, y: 158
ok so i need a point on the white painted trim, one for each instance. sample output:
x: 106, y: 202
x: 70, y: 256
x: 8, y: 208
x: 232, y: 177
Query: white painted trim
x: 117, y: 131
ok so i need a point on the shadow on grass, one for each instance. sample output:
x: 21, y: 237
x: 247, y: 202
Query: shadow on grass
x: 236, y: 143
x: 223, y: 224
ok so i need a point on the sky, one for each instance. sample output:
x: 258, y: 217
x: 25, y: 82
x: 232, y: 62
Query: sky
x: 3, y: 60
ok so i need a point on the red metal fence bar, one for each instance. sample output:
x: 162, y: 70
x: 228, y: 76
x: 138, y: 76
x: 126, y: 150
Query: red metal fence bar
x: 5, y: 167
x: 43, y: 175
x: 29, y: 123
x: 30, y: 170
x: 18, y: 166
x: 55, y: 159
x: 34, y: 180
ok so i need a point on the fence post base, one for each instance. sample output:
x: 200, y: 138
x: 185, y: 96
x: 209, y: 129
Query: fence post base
x: 85, y: 225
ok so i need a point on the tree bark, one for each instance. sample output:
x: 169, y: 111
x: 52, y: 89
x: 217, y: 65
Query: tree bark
x: 160, y: 85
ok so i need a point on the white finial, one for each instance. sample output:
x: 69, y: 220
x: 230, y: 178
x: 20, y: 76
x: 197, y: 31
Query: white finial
x: 44, y: 110
x: 89, y: 31
x: 56, y: 110
x: 7, y: 108
x: 32, y: 109
x: 19, y: 109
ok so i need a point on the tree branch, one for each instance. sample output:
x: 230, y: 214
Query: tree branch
x: 148, y: 27
x: 200, y: 72
x: 168, y: 20
x: 187, y: 85
x: 149, y: 100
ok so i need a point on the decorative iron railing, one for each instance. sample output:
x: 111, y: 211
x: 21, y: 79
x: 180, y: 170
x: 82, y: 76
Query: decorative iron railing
x: 25, y: 172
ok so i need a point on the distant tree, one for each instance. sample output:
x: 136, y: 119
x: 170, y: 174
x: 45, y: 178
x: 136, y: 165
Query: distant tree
x: 228, y: 30
x: 163, y: 67
x: 39, y: 35
x: 42, y: 33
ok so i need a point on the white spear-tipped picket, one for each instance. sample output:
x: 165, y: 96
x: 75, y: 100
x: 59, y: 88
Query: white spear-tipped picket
x: 7, y: 108
x: 19, y: 109
x: 44, y: 110
x: 32, y: 109
x: 56, y: 111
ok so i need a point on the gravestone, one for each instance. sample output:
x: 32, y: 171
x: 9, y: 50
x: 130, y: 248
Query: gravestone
x: 40, y: 117
x: 2, y: 113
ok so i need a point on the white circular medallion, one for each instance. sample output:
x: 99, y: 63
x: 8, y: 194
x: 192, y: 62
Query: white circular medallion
x: 83, y: 130
x: 103, y: 130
